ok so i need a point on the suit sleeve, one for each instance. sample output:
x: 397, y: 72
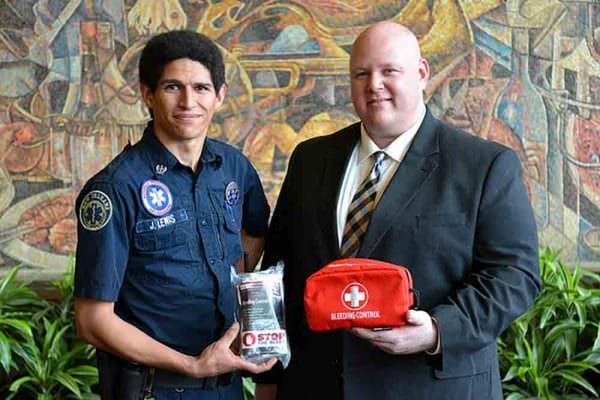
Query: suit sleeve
x: 504, y: 278
x: 276, y: 246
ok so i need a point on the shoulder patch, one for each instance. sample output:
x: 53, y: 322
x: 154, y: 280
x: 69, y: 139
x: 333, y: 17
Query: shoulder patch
x: 95, y: 210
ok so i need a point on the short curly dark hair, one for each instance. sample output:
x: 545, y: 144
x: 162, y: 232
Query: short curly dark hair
x: 174, y: 45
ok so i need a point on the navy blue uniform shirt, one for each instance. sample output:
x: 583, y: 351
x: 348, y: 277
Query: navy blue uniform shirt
x: 160, y: 241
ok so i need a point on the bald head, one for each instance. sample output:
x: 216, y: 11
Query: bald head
x: 388, y: 76
x: 390, y: 33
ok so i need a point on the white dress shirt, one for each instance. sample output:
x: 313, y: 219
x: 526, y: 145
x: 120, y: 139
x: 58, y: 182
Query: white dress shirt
x: 360, y: 164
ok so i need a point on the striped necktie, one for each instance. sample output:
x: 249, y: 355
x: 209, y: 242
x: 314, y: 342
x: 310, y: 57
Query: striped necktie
x: 360, y: 209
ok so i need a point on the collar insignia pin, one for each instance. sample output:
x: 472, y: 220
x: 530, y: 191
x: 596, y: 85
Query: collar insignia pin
x: 160, y: 169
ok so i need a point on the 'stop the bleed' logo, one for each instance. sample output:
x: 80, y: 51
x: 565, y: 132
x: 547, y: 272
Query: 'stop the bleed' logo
x: 263, y: 338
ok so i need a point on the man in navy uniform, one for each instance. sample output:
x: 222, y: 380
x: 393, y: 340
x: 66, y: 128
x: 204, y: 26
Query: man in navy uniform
x: 160, y: 229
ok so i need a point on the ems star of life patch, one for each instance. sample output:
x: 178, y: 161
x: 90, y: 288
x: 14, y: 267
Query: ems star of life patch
x: 95, y: 210
x: 156, y: 197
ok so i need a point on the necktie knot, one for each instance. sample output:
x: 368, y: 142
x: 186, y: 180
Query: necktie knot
x: 378, y: 158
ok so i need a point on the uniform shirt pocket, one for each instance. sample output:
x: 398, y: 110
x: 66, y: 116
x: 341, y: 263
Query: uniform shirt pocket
x: 230, y: 224
x: 164, y: 237
x: 232, y: 237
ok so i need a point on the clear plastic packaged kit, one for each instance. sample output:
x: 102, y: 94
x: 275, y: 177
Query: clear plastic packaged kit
x: 260, y: 311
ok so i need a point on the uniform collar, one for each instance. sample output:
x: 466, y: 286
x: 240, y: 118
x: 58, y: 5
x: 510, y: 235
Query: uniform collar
x: 163, y: 160
x: 210, y: 152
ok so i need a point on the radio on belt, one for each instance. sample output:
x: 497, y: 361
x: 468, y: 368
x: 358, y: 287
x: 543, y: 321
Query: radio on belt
x: 260, y: 311
x: 358, y: 292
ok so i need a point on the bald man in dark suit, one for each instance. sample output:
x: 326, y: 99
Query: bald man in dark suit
x: 450, y: 207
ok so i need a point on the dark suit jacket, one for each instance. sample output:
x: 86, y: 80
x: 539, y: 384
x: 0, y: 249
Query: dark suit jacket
x: 456, y: 214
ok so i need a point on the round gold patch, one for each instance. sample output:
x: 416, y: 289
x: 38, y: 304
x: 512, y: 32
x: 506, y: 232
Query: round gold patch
x: 95, y: 210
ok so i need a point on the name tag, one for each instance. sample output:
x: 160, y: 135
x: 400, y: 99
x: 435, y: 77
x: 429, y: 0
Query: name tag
x: 154, y: 224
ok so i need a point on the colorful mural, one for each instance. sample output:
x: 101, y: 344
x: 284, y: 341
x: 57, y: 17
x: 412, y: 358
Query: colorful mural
x: 525, y: 73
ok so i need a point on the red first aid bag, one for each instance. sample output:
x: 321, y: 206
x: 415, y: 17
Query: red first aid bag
x: 358, y: 292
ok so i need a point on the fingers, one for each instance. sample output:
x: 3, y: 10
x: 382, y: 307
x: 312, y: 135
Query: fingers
x: 361, y: 332
x: 257, y: 368
x: 411, y: 338
x: 231, y: 334
x: 368, y: 334
x: 229, y: 337
x: 417, y: 317
x: 385, y: 346
x: 383, y: 340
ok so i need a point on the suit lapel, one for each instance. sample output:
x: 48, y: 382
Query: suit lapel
x: 420, y: 161
x: 334, y: 167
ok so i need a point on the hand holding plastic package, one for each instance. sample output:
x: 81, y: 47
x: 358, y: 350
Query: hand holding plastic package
x: 261, y: 313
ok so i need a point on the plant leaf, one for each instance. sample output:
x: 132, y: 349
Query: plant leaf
x: 512, y: 372
x: 55, y: 346
x: 249, y: 387
x: 8, y: 279
x: 577, y: 366
x: 68, y: 382
x: 19, y: 325
x: 86, y: 372
x: 5, y: 352
x: 16, y: 385
x: 30, y: 354
x: 561, y: 329
x: 594, y: 300
x: 49, y: 329
x: 546, y: 316
x: 577, y: 380
x: 581, y: 314
x: 515, y: 396
x: 593, y: 358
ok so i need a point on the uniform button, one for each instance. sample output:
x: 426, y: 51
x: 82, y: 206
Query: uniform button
x: 203, y: 222
x: 211, y: 261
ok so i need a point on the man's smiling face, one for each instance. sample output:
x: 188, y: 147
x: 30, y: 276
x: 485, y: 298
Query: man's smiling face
x: 184, y: 101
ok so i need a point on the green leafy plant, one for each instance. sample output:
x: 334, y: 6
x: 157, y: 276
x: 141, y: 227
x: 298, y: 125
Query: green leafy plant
x: 47, y: 359
x: 548, y: 352
x: 18, y: 304
x: 50, y: 365
x: 248, y: 388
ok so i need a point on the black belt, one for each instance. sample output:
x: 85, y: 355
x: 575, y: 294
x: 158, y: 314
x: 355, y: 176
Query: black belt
x: 170, y: 379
